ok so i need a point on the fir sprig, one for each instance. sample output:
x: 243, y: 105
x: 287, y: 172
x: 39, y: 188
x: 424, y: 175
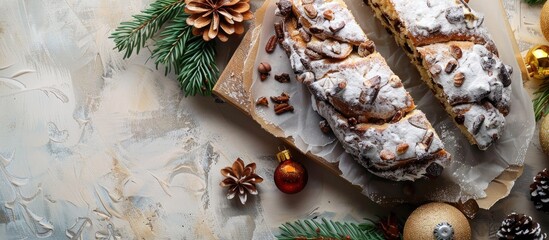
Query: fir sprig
x: 178, y: 50
x: 541, y: 101
x: 328, y: 229
x: 198, y: 72
x: 172, y: 43
x: 133, y: 35
x: 532, y: 2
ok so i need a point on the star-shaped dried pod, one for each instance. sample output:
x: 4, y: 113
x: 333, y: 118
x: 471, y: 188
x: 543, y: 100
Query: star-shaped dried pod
x: 240, y: 180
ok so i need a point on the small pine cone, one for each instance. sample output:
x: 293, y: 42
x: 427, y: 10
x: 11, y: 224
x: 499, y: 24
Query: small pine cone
x: 520, y: 226
x: 539, y: 191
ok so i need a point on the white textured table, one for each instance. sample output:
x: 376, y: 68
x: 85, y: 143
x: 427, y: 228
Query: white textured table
x: 96, y: 147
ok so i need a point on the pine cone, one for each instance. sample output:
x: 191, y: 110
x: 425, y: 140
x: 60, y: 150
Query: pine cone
x: 217, y: 18
x: 539, y: 191
x: 241, y: 180
x: 520, y: 226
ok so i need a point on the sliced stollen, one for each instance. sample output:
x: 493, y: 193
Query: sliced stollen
x: 457, y: 59
x: 363, y: 101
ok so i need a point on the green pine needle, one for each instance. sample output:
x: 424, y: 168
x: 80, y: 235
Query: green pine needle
x: 541, y: 101
x: 532, y: 2
x: 173, y: 43
x: 198, y: 71
x: 178, y: 50
x: 130, y: 36
x: 328, y: 229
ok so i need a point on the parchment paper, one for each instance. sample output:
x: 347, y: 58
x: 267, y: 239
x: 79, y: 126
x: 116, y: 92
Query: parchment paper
x: 471, y: 170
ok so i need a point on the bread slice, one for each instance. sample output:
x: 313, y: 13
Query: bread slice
x: 457, y: 60
x: 357, y: 93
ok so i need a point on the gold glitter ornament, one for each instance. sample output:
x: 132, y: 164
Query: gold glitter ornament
x: 544, y: 20
x: 537, y: 62
x: 436, y: 221
x: 544, y: 135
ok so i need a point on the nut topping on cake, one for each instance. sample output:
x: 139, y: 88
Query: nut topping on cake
x: 477, y: 124
x: 336, y: 25
x: 328, y: 15
x: 366, y: 48
x: 450, y: 66
x: 387, y: 155
x: 456, y: 51
x: 435, y: 69
x: 458, y: 79
x: 402, y: 148
x: 394, y: 81
x: 310, y: 11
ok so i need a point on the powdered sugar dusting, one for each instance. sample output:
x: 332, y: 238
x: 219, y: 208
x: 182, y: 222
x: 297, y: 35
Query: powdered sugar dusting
x: 350, y: 33
x: 424, y: 18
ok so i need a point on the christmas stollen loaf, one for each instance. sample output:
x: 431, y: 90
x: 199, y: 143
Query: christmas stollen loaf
x: 457, y: 59
x: 354, y: 89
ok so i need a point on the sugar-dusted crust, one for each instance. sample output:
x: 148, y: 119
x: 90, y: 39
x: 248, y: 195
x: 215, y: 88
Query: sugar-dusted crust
x: 408, y: 149
x: 365, y: 102
x: 424, y: 22
x: 456, y: 58
x: 323, y: 27
x: 357, y: 93
x: 476, y: 91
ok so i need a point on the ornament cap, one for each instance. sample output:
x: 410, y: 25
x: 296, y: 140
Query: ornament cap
x: 283, y: 155
x: 444, y: 231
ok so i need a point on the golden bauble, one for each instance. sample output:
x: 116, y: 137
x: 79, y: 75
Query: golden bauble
x: 544, y: 20
x: 537, y: 62
x: 423, y: 221
x: 544, y: 135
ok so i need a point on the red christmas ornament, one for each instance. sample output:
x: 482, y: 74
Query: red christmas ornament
x: 290, y: 176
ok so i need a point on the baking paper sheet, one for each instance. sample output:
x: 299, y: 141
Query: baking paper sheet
x: 471, y: 170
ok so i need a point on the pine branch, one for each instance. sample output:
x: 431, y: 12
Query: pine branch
x: 532, y: 2
x: 189, y: 56
x: 328, y: 229
x: 198, y: 71
x: 541, y: 101
x: 132, y: 35
x: 173, y: 42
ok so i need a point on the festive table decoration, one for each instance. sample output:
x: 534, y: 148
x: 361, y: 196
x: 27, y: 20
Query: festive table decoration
x: 519, y: 226
x: 217, y: 18
x: 539, y: 190
x: 328, y: 229
x: 437, y: 221
x: 178, y: 47
x: 544, y: 135
x: 289, y: 176
x: 544, y: 20
x: 240, y: 180
x: 537, y: 63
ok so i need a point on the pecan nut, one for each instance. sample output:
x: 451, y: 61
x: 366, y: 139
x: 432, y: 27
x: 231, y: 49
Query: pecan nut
x: 271, y: 44
x: 387, y: 155
x: 262, y: 101
x: 310, y: 11
x: 283, y: 78
x: 402, y: 148
x: 366, y: 48
x: 459, y: 78
x: 451, y: 66
x: 456, y: 51
x: 328, y: 15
